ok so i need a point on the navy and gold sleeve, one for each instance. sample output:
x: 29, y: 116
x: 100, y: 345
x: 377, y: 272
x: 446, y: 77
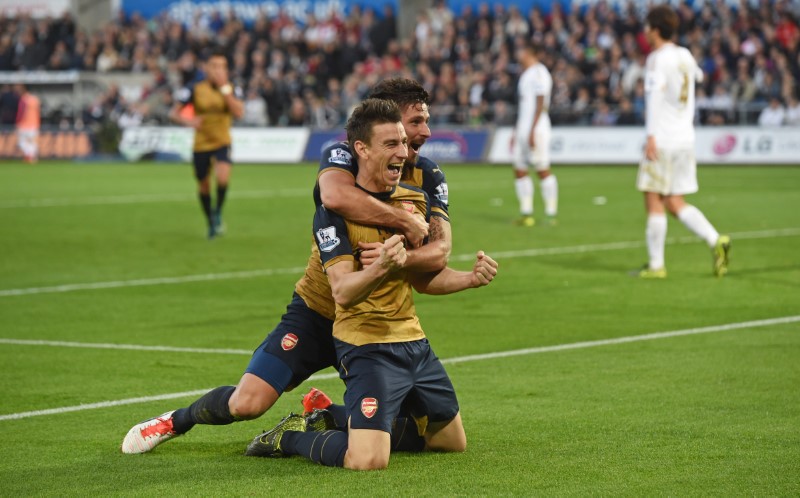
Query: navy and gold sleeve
x: 338, y: 156
x: 434, y: 183
x: 330, y: 234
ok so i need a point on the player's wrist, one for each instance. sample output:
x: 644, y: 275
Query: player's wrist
x: 405, y: 220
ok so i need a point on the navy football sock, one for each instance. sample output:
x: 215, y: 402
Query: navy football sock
x: 339, y: 413
x: 405, y: 435
x: 327, y: 448
x: 205, y: 202
x: 210, y: 409
x: 221, y: 191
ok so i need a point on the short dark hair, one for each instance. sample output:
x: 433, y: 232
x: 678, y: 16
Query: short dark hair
x: 217, y: 52
x: 402, y: 91
x: 664, y: 20
x: 533, y: 47
x: 368, y: 114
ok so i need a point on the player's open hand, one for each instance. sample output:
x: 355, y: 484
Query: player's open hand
x: 393, y: 253
x: 650, y: 150
x: 369, y: 252
x: 485, y: 269
x: 416, y: 229
x: 532, y: 140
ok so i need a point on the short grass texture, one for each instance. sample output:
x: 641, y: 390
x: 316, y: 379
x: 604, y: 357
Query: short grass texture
x: 705, y: 414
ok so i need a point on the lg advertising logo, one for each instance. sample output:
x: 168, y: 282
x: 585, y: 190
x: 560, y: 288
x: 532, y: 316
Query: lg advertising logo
x: 750, y: 145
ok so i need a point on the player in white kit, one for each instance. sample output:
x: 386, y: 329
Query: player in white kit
x: 531, y: 142
x: 668, y: 170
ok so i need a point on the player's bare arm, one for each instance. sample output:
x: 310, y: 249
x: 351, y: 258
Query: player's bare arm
x: 352, y: 287
x: 340, y: 194
x: 449, y: 281
x: 536, y: 115
x: 431, y: 257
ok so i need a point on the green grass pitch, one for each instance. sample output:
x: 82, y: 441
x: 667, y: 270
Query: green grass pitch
x: 705, y: 414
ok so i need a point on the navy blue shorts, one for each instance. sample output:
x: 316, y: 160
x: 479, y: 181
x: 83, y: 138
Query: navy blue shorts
x: 382, y: 378
x: 300, y: 345
x: 202, y: 160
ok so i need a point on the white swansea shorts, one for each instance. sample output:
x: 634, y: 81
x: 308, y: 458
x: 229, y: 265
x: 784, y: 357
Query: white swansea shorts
x: 539, y: 157
x: 27, y: 136
x: 674, y: 172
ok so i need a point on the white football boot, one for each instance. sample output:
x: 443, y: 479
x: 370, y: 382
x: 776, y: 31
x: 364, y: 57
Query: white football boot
x: 146, y: 435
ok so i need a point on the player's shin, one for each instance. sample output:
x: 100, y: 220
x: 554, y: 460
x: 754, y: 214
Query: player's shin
x: 524, y: 188
x: 222, y: 191
x: 210, y: 409
x: 695, y: 221
x: 550, y: 195
x: 205, y: 203
x: 656, y: 235
x: 326, y: 448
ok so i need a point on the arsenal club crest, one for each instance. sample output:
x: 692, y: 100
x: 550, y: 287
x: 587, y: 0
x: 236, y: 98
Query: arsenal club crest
x: 408, y: 206
x: 289, y: 341
x: 369, y: 407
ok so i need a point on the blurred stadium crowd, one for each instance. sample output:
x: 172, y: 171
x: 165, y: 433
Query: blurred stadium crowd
x: 312, y: 73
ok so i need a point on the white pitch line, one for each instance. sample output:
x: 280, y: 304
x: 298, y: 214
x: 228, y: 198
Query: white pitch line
x: 624, y: 340
x: 524, y: 253
x: 632, y: 244
x: 129, y: 347
x: 459, y: 359
x: 153, y: 281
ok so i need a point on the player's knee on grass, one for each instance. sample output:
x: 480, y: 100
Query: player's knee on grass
x: 543, y: 173
x: 252, y: 398
x: 360, y: 461
x: 367, y: 449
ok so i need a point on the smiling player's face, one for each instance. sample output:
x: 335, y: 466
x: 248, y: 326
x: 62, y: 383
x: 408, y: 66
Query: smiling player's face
x: 415, y: 122
x: 386, y: 154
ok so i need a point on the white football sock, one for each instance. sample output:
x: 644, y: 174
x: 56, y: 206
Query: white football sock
x: 550, y: 195
x: 656, y: 235
x: 524, y: 187
x: 697, y: 223
x: 28, y: 148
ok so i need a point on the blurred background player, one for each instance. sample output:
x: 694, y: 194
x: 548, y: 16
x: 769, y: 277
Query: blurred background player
x: 216, y: 104
x: 669, y: 171
x: 531, y: 142
x: 28, y: 123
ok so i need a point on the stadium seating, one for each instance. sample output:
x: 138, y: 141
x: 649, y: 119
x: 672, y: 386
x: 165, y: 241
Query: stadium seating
x: 311, y: 73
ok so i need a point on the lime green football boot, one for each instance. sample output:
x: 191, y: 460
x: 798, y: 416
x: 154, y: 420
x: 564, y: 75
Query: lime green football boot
x: 720, y: 254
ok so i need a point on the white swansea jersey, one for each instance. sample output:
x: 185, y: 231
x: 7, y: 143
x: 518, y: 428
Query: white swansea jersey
x: 669, y: 86
x: 534, y: 82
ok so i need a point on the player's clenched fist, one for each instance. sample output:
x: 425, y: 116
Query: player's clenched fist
x: 393, y: 253
x: 485, y: 269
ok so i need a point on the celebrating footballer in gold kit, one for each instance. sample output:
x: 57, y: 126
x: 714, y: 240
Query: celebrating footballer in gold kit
x: 383, y: 356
